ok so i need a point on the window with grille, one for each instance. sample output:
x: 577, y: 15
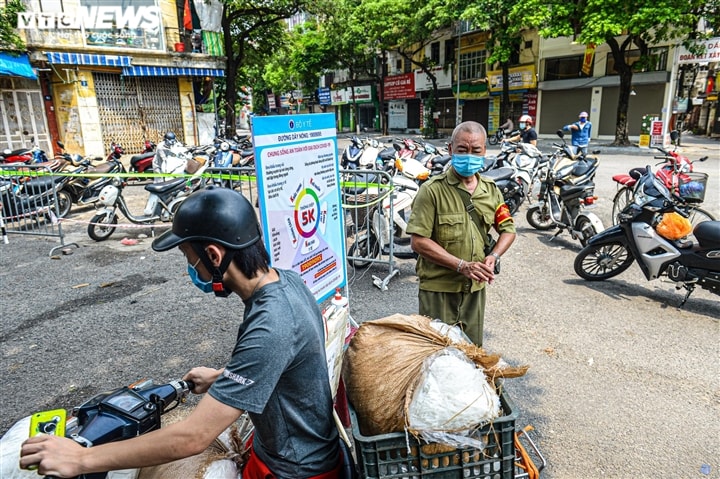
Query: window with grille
x: 472, y: 65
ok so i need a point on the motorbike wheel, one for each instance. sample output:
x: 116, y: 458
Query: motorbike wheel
x: 99, y: 228
x: 587, y: 230
x: 622, y: 198
x: 65, y: 201
x: 600, y: 262
x: 514, y: 203
x: 539, y: 218
x: 493, y: 139
x: 365, y: 246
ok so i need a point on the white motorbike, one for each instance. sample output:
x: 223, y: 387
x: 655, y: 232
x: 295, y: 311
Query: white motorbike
x: 163, y: 200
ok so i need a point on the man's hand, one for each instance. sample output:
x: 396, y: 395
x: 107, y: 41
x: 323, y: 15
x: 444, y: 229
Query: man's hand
x: 203, y: 378
x: 55, y: 456
x: 480, y: 271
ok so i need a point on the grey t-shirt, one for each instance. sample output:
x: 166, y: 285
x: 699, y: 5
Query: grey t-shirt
x: 278, y: 374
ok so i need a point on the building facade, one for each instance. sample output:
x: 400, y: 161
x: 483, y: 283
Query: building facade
x: 114, y: 73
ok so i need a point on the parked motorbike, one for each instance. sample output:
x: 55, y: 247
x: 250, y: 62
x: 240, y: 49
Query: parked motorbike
x: 566, y: 189
x: 31, y: 155
x: 112, y: 416
x: 143, y: 162
x: 676, y: 171
x: 31, y: 196
x: 350, y: 158
x: 163, y: 200
x: 86, y: 190
x: 658, y: 251
x: 507, y: 180
x: 500, y: 136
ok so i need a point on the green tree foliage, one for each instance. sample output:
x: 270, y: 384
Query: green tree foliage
x: 500, y: 19
x: 253, y: 34
x: 624, y: 26
x: 9, y: 39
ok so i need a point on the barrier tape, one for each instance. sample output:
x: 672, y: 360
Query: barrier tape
x: 118, y: 225
x: 222, y: 176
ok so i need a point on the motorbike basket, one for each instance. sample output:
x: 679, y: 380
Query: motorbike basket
x: 692, y: 186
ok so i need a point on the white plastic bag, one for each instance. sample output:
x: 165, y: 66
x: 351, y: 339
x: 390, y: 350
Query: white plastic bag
x: 451, y: 400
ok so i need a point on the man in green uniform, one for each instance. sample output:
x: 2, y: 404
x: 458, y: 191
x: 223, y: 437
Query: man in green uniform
x: 449, y: 227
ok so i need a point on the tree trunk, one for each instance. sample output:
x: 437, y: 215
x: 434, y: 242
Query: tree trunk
x: 231, y: 68
x: 625, y: 72
x: 505, y: 107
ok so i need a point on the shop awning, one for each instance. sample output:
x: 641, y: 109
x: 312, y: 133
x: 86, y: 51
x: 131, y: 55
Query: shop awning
x: 16, y: 66
x: 148, y: 71
x: 88, y: 59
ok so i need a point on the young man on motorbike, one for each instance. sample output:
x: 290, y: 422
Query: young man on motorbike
x: 449, y: 227
x: 527, y: 132
x: 580, y: 132
x: 277, y: 372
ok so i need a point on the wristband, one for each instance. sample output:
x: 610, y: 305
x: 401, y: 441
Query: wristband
x: 460, y: 265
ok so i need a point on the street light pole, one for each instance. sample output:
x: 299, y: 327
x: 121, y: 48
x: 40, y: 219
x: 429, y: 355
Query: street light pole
x: 458, y: 117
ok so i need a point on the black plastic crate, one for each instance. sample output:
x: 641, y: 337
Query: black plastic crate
x: 401, y: 456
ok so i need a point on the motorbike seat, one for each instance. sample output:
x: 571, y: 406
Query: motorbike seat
x: 708, y: 234
x: 165, y: 186
x: 102, y: 168
x: 498, y: 174
x: 440, y: 160
x: 18, y: 152
x: 624, y: 179
x: 246, y: 153
x: 572, y: 191
x: 138, y: 158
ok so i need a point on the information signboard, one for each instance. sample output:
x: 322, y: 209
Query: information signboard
x: 299, y: 186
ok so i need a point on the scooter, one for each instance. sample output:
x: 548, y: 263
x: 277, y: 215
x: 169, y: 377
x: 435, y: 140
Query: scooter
x: 112, y: 416
x: 639, y: 237
x: 142, y: 163
x: 350, y: 158
x: 162, y: 203
x: 676, y: 173
x: 566, y: 190
x: 86, y: 190
x: 507, y: 180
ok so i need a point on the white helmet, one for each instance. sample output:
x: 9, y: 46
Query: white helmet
x: 527, y: 119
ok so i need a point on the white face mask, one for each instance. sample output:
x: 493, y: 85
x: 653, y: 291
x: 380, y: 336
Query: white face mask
x: 522, y: 125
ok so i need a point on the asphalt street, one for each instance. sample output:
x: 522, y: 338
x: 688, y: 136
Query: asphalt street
x: 622, y: 382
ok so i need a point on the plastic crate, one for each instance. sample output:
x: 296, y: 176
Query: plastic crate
x: 692, y: 186
x: 396, y: 455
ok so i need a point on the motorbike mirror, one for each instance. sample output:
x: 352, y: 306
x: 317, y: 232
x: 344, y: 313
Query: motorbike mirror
x: 560, y: 133
x: 674, y: 135
x: 60, y: 144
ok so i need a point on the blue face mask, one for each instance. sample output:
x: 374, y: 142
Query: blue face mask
x: 204, y: 286
x: 522, y: 126
x: 467, y: 165
x: 583, y: 119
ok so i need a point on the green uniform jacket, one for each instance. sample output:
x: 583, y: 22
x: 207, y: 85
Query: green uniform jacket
x: 438, y: 213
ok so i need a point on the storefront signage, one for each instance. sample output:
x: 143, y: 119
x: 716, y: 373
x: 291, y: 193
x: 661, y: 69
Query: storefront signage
x: 520, y: 78
x: 398, y: 87
x: 711, y: 54
x: 102, y: 23
x: 423, y: 82
x: 324, y: 96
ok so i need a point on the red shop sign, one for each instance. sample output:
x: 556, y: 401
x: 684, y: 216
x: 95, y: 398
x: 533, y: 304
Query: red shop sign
x: 398, y: 87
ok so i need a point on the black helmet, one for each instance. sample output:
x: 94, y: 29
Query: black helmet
x: 169, y: 136
x: 218, y: 215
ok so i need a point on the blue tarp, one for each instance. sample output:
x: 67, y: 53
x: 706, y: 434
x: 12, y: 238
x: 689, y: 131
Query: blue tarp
x: 16, y: 66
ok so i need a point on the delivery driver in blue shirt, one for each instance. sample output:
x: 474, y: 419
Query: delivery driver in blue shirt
x: 277, y: 371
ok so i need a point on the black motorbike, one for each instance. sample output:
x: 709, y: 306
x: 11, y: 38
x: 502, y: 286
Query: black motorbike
x: 567, y: 191
x: 636, y: 238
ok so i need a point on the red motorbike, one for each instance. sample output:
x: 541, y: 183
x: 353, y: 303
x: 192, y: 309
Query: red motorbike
x: 143, y: 163
x: 677, y: 174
